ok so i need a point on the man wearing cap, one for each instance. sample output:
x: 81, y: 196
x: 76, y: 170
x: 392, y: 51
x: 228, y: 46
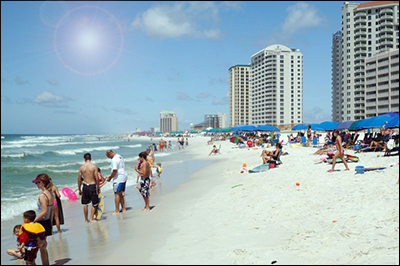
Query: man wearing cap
x: 120, y: 176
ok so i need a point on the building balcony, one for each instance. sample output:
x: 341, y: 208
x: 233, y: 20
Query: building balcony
x: 386, y: 23
x: 383, y: 71
x: 360, y: 14
x: 387, y: 29
x: 394, y: 69
x: 386, y: 42
x: 395, y: 85
x: 370, y: 74
x: 394, y: 101
x: 370, y: 104
x: 383, y: 87
x: 360, y: 22
x: 387, y: 16
x: 394, y: 92
x: 395, y: 76
x: 387, y: 11
x: 370, y: 89
x: 370, y: 96
x: 370, y: 81
x: 383, y: 109
x: 383, y: 94
x: 386, y: 35
x: 362, y: 34
x: 383, y: 79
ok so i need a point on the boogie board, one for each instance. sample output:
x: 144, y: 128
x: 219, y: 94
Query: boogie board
x: 260, y: 168
x: 374, y: 169
x: 100, y: 207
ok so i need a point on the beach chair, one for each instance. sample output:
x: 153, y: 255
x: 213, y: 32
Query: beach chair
x: 304, y: 141
x: 276, y: 160
x: 392, y: 147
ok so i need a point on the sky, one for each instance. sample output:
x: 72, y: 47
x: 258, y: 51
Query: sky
x: 88, y: 67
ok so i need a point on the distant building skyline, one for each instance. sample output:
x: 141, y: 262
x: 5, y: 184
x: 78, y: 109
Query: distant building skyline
x: 239, y: 95
x: 168, y: 121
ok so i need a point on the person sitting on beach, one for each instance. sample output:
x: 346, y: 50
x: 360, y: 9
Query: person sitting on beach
x: 264, y: 156
x: 29, y: 235
x: 386, y: 135
x: 144, y: 173
x: 15, y: 252
x: 328, y: 148
x: 214, y: 150
x: 339, y: 152
x: 90, y: 185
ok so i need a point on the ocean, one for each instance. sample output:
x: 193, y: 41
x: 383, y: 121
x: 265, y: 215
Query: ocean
x: 23, y: 157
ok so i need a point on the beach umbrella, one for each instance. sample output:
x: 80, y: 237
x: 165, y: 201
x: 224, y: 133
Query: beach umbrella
x: 316, y: 127
x: 344, y: 125
x: 214, y: 130
x: 391, y: 115
x: 193, y: 132
x: 237, y: 128
x: 248, y: 128
x: 355, y: 124
x: 329, y: 125
x: 238, y: 139
x: 267, y: 128
x: 300, y: 127
x: 225, y: 130
x: 376, y: 122
x: 393, y: 123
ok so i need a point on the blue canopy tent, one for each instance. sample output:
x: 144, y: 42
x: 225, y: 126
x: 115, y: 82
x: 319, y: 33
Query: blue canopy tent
x: 300, y: 127
x: 316, y: 127
x: 345, y: 125
x: 376, y: 122
x: 248, y: 128
x: 237, y: 128
x: 267, y: 128
x: 329, y: 125
x: 393, y: 123
x: 391, y: 115
x: 360, y: 124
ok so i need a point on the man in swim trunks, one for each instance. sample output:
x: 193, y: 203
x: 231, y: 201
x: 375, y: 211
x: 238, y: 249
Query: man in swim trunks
x: 91, y: 187
x: 120, y: 176
x: 144, y: 173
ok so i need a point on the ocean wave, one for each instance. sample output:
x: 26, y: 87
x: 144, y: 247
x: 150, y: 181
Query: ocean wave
x: 19, y: 155
x: 3, y: 137
x: 133, y: 146
x: 84, y: 150
x: 162, y: 154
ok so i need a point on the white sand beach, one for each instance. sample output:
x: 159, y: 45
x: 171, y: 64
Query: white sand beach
x: 223, y: 216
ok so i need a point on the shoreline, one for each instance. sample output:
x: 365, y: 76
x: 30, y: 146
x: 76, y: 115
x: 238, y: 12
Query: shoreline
x: 220, y: 216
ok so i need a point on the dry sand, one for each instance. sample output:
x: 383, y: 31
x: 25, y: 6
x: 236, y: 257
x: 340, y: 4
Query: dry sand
x: 331, y: 218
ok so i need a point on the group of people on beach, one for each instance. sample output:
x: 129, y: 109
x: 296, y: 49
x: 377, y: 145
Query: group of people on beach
x: 31, y: 235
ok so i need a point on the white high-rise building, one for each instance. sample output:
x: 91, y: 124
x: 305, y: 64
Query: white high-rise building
x: 367, y: 29
x: 239, y: 93
x: 168, y: 121
x: 382, y: 83
x: 336, y: 72
x: 276, y: 86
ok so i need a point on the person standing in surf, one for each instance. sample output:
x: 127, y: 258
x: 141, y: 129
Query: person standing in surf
x: 144, y: 173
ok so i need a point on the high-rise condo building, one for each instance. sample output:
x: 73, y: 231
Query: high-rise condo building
x: 276, y: 91
x: 336, y: 72
x: 215, y: 121
x: 168, y: 121
x: 382, y: 83
x: 239, y: 110
x: 367, y: 29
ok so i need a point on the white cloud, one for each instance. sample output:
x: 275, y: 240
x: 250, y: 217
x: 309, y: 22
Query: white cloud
x: 47, y: 97
x: 183, y: 19
x: 222, y: 101
x: 301, y: 15
x: 53, y: 82
x: 317, y: 115
x: 50, y: 100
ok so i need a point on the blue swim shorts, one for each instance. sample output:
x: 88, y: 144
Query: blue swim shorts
x: 119, y: 187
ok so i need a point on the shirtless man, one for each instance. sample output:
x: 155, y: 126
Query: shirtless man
x: 120, y: 176
x: 144, y: 173
x: 91, y: 187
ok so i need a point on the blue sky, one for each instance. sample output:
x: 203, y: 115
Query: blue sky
x: 111, y: 67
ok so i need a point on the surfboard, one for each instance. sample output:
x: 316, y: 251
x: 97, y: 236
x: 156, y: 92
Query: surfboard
x: 260, y: 168
x: 100, y: 207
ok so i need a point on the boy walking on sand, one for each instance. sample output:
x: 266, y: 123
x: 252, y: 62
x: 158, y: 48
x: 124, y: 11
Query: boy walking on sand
x: 144, y: 173
x: 28, y: 237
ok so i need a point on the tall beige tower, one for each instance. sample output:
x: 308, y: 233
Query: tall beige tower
x: 168, y: 121
x: 367, y: 29
x: 239, y: 109
x: 276, y: 91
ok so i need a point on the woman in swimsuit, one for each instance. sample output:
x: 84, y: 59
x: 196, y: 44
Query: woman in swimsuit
x: 45, y: 204
x: 309, y: 138
x: 339, y: 152
x: 57, y: 216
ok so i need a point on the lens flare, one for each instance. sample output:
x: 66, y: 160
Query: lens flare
x: 90, y: 41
